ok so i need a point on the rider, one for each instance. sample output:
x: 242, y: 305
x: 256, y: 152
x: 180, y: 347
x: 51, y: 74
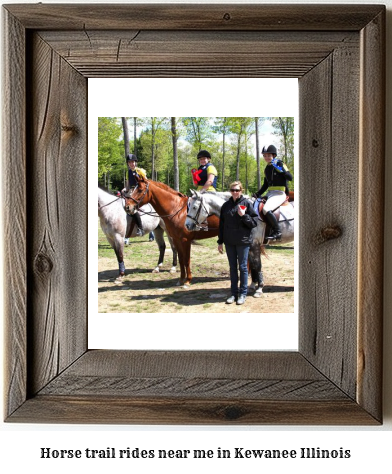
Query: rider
x: 276, y: 175
x: 206, y: 176
x: 133, y: 172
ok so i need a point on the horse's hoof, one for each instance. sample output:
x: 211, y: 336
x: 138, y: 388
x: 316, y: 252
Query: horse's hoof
x: 186, y: 286
x: 156, y: 270
x: 173, y: 270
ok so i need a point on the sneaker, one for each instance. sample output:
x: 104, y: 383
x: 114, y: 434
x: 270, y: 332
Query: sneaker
x: 230, y: 300
x: 241, y: 299
x: 139, y: 232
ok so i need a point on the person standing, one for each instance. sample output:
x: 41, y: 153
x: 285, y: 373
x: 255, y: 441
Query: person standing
x: 206, y: 176
x: 133, y: 173
x: 276, y: 175
x: 237, y: 219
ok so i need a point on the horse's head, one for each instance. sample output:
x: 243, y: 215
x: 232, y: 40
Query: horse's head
x: 198, y: 211
x: 137, y: 197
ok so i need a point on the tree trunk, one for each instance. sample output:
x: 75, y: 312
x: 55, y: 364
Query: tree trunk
x: 152, y: 150
x: 223, y: 160
x: 237, y: 175
x: 175, y: 154
x: 134, y: 136
x: 126, y: 135
x: 257, y: 152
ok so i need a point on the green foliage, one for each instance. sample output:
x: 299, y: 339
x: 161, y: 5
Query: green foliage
x: 284, y: 130
x: 110, y: 151
x: 230, y: 140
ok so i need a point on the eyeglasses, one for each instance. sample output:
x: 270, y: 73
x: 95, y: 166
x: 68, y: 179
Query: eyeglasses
x: 235, y: 190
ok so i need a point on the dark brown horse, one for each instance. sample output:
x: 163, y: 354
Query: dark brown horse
x: 171, y: 206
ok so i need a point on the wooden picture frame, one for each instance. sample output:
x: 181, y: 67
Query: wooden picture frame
x: 338, y: 54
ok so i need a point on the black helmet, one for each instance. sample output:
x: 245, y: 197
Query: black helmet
x: 131, y: 157
x: 203, y: 154
x: 269, y: 149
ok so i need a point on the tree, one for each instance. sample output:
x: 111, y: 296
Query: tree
x: 155, y: 123
x: 198, y: 131
x: 110, y: 155
x: 126, y: 135
x: 284, y: 128
x: 175, y: 154
x: 257, y: 152
x: 222, y: 125
x: 239, y: 126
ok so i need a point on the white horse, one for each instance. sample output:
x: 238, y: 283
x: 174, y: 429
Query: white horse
x: 200, y: 206
x: 116, y: 224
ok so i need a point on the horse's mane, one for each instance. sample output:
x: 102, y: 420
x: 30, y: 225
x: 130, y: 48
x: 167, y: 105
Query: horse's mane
x: 167, y: 188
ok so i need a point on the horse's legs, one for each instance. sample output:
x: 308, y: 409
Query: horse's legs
x: 187, y: 262
x: 175, y: 253
x: 118, y: 247
x: 158, y: 232
x: 181, y: 248
x: 256, y: 268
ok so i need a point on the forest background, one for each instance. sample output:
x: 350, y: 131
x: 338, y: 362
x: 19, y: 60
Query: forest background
x: 167, y: 148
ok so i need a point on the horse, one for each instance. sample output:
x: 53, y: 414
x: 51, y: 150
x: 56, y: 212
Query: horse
x: 203, y: 205
x: 171, y: 207
x: 116, y: 225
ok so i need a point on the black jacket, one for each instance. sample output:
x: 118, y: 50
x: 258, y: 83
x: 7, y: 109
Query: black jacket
x: 272, y: 177
x: 234, y: 229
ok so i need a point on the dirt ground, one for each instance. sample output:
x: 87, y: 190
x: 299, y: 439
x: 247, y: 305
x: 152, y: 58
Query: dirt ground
x: 142, y: 291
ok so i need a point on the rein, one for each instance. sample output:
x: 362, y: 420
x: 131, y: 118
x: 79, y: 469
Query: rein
x: 111, y: 202
x: 153, y: 214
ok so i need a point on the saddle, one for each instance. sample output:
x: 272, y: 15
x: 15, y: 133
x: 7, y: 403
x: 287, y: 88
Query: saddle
x: 276, y: 212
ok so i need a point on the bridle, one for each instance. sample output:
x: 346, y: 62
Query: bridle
x: 195, y: 219
x: 154, y: 214
x: 141, y: 198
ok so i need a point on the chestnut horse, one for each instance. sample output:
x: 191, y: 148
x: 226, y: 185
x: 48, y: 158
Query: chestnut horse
x: 171, y: 206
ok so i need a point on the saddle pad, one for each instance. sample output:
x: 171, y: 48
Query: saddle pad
x: 286, y: 210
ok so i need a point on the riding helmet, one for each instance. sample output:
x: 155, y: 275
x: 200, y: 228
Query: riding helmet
x: 269, y: 149
x: 203, y: 154
x: 131, y: 157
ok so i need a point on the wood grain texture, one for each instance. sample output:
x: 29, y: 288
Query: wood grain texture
x: 329, y: 134
x: 130, y: 53
x: 193, y: 17
x: 371, y: 216
x: 14, y: 212
x: 335, y: 378
x: 156, y: 411
x: 57, y: 214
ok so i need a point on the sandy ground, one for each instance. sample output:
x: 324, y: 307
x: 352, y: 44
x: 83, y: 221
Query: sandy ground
x: 142, y: 291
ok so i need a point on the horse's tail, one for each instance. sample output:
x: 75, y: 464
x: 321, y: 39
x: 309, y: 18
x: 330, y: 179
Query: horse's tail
x: 263, y: 251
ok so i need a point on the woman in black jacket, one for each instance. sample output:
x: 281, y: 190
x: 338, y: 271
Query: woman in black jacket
x: 237, y: 219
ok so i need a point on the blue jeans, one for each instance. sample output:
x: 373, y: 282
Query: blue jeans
x: 238, y: 257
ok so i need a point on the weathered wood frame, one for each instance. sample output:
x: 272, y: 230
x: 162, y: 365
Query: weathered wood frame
x: 337, y: 52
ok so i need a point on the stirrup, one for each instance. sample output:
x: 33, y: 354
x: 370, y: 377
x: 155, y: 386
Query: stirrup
x: 275, y: 236
x: 139, y: 232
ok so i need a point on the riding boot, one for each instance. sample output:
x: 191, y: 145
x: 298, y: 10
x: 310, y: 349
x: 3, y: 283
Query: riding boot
x: 139, y: 224
x: 275, y: 233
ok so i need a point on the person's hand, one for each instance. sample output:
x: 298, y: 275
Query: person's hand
x: 220, y: 248
x: 241, y: 210
x: 277, y: 164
